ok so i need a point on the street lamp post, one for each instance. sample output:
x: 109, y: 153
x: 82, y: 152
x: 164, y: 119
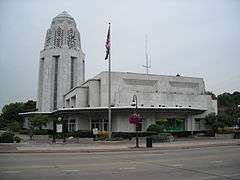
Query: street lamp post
x: 135, y: 103
x: 54, y: 131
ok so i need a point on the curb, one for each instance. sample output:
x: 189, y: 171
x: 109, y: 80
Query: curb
x: 129, y: 149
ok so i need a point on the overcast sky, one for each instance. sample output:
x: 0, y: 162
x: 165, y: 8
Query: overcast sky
x: 190, y: 37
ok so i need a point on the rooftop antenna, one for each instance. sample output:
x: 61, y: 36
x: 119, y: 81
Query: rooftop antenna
x: 147, y: 66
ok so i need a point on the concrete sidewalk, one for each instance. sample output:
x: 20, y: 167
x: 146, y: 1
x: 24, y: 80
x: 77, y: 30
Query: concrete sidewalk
x: 112, y: 146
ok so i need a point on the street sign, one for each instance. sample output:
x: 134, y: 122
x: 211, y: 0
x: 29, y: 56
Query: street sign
x: 59, y: 128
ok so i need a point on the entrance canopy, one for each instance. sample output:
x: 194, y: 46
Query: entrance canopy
x: 162, y: 110
x: 86, y: 110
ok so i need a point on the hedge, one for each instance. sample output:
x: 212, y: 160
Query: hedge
x: 225, y: 131
x: 24, y: 131
x: 35, y: 131
x: 76, y: 134
x: 162, y: 137
x: 80, y: 134
x: 129, y: 135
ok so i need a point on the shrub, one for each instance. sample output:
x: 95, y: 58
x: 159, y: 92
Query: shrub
x: 117, y: 139
x: 40, y: 132
x: 182, y: 133
x: 7, y: 137
x: 76, y: 134
x: 24, y: 131
x: 155, y: 128
x: 162, y: 137
x: 84, y: 134
x: 36, y: 131
x: 102, y: 135
x: 17, y: 139
x: 225, y: 131
x: 129, y: 135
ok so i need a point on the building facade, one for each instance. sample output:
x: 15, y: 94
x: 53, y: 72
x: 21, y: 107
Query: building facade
x: 63, y: 91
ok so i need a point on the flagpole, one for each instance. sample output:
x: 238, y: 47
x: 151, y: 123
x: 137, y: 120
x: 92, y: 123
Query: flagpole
x: 109, y: 95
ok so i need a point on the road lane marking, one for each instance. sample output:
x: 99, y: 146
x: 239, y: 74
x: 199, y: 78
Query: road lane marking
x: 176, y: 165
x: 128, y: 168
x: 9, y: 172
x: 209, y: 177
x: 231, y: 175
x: 216, y: 161
x: 71, y: 170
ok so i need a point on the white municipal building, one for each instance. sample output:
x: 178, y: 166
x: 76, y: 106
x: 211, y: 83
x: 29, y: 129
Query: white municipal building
x: 83, y: 104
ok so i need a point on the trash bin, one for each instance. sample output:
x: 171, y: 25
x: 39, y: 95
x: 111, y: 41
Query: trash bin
x: 149, y: 142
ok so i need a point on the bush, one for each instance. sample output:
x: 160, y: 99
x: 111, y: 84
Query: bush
x: 225, y: 131
x: 162, y: 137
x: 130, y: 135
x: 7, y: 137
x: 36, y: 131
x: 182, y: 133
x: 24, y: 131
x: 155, y: 128
x: 82, y: 134
x: 102, y: 135
x: 40, y: 132
x: 76, y: 134
x: 17, y: 139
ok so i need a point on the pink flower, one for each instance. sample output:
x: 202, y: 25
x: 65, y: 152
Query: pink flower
x: 134, y: 118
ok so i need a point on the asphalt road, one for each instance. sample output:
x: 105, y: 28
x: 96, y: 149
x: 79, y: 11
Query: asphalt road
x: 215, y: 163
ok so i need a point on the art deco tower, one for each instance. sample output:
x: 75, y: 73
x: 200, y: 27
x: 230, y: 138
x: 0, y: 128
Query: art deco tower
x: 61, y: 66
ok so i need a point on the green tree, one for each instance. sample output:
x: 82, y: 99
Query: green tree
x: 224, y: 121
x: 10, y: 118
x: 10, y: 114
x: 212, y: 122
x: 29, y: 106
x: 38, y: 121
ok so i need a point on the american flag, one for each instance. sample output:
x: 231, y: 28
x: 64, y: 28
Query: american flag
x: 108, y: 43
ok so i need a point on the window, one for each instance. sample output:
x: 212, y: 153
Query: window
x: 198, y: 124
x: 72, y: 72
x: 67, y: 103
x: 41, y: 71
x: 100, y: 124
x: 175, y: 124
x: 58, y: 38
x: 55, y: 82
x: 72, y: 125
x: 73, y: 101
